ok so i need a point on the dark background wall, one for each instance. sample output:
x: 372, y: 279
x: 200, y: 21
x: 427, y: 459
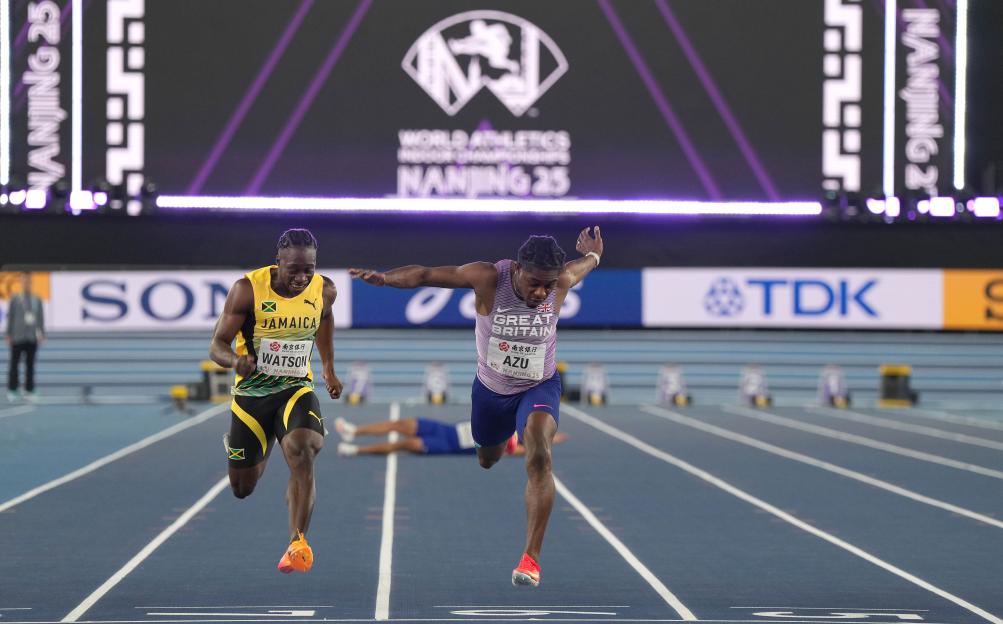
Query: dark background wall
x: 208, y: 240
x: 381, y: 242
x: 985, y: 93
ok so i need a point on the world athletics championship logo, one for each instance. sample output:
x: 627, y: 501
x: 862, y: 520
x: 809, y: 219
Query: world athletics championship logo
x: 453, y: 60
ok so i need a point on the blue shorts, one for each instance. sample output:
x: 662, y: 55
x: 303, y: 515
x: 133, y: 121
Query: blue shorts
x: 496, y: 416
x: 440, y: 438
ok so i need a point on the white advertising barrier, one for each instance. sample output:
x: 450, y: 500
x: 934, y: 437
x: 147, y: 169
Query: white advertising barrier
x: 156, y: 300
x: 820, y: 298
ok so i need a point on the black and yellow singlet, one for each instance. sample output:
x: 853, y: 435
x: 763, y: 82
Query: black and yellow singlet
x: 280, y: 334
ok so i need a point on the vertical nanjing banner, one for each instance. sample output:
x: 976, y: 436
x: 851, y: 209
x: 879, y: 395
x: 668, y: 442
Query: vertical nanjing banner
x: 842, y: 95
x: 856, y: 41
x: 125, y: 89
x: 40, y: 92
x: 924, y: 97
x: 112, y: 56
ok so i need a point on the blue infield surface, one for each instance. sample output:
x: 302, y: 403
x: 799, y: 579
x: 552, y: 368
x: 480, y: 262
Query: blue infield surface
x: 719, y: 513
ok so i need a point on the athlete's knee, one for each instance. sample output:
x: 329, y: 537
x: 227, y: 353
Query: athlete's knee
x: 538, y: 460
x: 241, y: 490
x: 539, y: 429
x: 301, y: 456
x: 489, y: 456
x: 242, y: 486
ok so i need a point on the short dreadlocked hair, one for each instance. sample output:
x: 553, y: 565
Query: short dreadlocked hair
x: 298, y: 237
x: 541, y: 252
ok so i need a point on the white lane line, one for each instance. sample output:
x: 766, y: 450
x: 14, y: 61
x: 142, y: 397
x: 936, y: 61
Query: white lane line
x: 119, y: 454
x: 824, y: 465
x: 973, y: 421
x: 625, y: 552
x: 862, y: 441
x: 898, y: 425
x: 16, y: 411
x: 387, y: 541
x: 783, y: 515
x: 147, y: 550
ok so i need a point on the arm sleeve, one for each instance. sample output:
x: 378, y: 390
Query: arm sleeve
x: 10, y: 318
x: 41, y: 317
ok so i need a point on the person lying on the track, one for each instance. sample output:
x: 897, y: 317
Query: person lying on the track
x: 277, y: 315
x: 517, y: 388
x: 422, y: 436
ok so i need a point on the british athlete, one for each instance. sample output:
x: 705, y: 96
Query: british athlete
x: 517, y: 388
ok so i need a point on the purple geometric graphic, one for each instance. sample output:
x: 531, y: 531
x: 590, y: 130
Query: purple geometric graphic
x: 307, y: 99
x: 249, y: 98
x: 719, y: 102
x: 706, y: 179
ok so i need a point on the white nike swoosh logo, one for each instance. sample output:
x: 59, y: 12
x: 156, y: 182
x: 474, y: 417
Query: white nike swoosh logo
x: 501, y: 310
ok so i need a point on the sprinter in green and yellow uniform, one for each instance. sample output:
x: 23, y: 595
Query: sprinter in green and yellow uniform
x: 277, y: 314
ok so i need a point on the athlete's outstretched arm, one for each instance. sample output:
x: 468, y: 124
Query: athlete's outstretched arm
x: 473, y: 275
x: 586, y: 245
x: 325, y: 340
x: 239, y: 302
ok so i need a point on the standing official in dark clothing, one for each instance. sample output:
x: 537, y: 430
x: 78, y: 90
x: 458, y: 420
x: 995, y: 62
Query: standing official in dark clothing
x: 25, y: 331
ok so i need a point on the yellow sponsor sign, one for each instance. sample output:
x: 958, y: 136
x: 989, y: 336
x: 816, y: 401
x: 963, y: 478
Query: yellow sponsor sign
x: 973, y: 300
x: 10, y: 284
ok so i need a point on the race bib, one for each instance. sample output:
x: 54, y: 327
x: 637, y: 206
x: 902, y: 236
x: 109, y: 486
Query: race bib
x: 465, y: 435
x: 516, y: 359
x: 284, y: 358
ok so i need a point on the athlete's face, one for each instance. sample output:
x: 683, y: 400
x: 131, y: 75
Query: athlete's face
x: 296, y: 267
x: 534, y: 285
x: 26, y: 283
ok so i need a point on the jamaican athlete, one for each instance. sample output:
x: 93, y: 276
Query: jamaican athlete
x: 277, y: 313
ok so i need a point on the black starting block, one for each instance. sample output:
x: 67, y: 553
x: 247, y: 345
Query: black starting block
x: 895, y: 390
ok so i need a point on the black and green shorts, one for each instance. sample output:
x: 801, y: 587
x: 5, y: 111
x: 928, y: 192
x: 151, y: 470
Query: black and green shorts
x: 256, y: 422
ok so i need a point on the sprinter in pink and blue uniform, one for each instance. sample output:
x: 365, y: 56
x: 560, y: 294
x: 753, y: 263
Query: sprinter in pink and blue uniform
x: 517, y: 389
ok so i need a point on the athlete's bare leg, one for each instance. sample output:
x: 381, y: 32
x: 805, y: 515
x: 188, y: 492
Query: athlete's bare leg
x: 538, y: 439
x: 489, y: 455
x: 243, y: 480
x: 300, y: 447
x: 407, y: 426
x: 411, y: 445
